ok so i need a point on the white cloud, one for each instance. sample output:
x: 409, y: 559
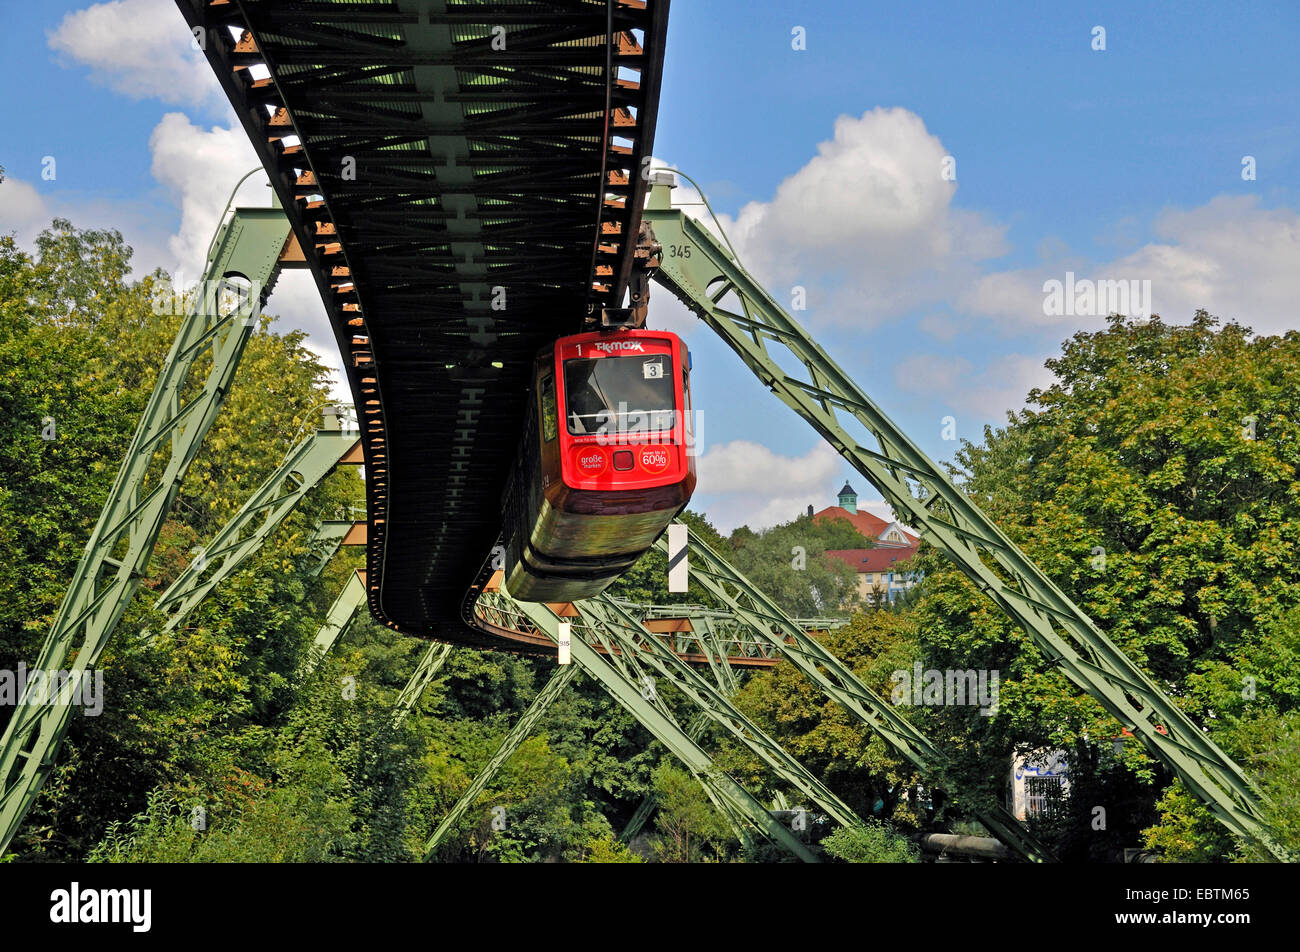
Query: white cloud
x: 141, y: 48
x: 328, y: 355
x: 198, y: 167
x: 747, y: 483
x: 23, y: 211
x: 742, y: 466
x: 930, y: 373
x: 867, y: 226
x: 1229, y: 256
x: 974, y: 394
x: 27, y: 209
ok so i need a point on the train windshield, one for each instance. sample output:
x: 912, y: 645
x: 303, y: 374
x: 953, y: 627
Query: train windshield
x: 619, y: 395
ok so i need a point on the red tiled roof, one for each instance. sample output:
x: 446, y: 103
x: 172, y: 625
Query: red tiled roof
x: 869, y: 525
x: 885, y: 559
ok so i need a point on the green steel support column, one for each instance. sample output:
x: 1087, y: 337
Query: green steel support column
x: 631, y: 638
x: 301, y: 471
x: 518, y: 734
x: 340, y: 616
x: 838, y: 681
x: 327, y: 539
x: 699, y: 271
x: 247, y: 249
x: 629, y: 667
x: 650, y: 802
x: 612, y: 673
x: 710, y: 642
x: 430, y: 663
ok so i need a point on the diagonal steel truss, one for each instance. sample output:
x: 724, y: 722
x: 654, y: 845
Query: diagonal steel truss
x: 340, y: 616
x: 708, y: 279
x: 327, y: 539
x: 430, y: 663
x: 618, y: 631
x: 650, y: 802
x: 628, y: 683
x: 249, y: 247
x: 517, y: 735
x: 301, y: 471
x: 838, y: 681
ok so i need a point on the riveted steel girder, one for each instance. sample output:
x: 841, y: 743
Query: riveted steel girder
x: 299, y: 473
x: 239, y: 273
x: 704, y: 275
x: 625, y: 680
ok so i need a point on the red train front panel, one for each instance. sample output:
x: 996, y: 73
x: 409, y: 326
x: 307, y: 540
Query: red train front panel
x: 624, y: 410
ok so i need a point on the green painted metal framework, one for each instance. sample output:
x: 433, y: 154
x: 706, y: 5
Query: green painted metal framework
x: 301, y: 471
x: 520, y: 732
x: 709, y: 280
x: 246, y: 257
x: 430, y: 663
x: 650, y: 803
x: 837, y: 680
x: 615, y: 626
x: 609, y: 625
x: 628, y: 682
x: 325, y: 541
x: 341, y: 613
x: 717, y: 635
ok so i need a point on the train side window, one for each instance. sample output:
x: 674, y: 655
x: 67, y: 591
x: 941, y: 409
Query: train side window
x: 686, y: 405
x: 549, y: 425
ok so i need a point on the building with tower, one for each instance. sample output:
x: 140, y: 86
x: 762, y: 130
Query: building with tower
x: 884, y: 572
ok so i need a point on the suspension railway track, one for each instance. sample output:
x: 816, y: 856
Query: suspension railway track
x: 465, y: 182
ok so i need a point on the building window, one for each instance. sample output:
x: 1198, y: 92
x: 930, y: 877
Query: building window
x: 1044, y: 796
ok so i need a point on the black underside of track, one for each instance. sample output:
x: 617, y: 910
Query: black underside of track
x: 447, y: 168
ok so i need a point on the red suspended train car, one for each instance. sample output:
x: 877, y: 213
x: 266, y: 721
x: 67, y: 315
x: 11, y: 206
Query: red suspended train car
x: 606, y: 462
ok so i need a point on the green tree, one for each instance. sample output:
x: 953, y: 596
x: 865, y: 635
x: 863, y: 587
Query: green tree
x: 1156, y: 482
x: 789, y: 563
x: 870, y: 843
x: 817, y: 731
x: 82, y: 345
x: 689, y: 826
x: 606, y: 849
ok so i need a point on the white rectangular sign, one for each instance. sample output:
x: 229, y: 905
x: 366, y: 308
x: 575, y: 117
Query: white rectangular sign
x: 679, y: 572
x: 565, y: 629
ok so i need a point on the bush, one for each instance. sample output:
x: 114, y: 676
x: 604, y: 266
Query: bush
x: 870, y: 843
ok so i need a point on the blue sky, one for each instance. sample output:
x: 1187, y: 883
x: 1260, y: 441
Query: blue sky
x: 824, y: 163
